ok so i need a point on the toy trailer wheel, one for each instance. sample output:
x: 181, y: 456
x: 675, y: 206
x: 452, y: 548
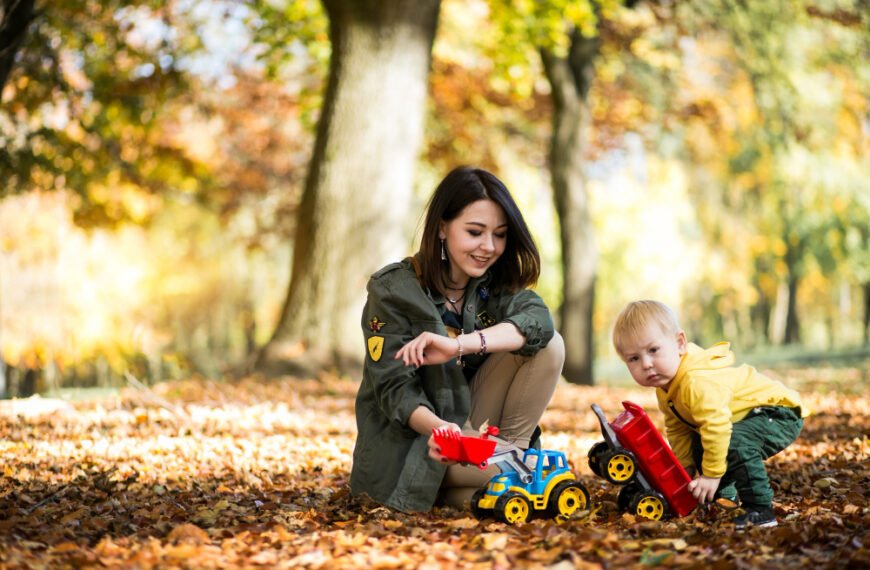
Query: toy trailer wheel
x: 477, y: 511
x: 626, y: 494
x: 595, y: 454
x: 618, y: 466
x: 567, y: 498
x: 512, y: 508
x: 650, y: 505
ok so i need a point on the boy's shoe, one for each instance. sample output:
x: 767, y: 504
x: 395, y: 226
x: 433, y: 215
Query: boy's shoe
x: 761, y: 517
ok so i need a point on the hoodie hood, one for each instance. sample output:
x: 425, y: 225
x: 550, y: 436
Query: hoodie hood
x: 696, y: 358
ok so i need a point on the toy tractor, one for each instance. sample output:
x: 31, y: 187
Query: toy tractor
x: 531, y: 482
x: 635, y: 456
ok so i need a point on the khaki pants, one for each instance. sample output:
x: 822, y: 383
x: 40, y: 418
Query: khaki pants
x: 511, y: 392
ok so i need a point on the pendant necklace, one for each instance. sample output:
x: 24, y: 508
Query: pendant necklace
x: 454, y: 301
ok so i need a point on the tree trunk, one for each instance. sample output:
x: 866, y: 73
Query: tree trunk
x: 866, y: 313
x: 353, y: 217
x: 570, y: 79
x: 14, y: 19
x: 792, y: 324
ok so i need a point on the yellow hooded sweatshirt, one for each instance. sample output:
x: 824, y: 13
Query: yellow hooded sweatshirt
x: 708, y: 395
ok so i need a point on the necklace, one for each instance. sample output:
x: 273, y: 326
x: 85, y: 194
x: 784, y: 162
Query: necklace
x: 454, y: 301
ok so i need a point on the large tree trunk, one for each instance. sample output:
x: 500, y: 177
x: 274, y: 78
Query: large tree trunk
x: 16, y: 15
x: 354, y: 212
x: 570, y: 79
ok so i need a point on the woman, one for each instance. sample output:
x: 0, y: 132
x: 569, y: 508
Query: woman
x: 454, y: 338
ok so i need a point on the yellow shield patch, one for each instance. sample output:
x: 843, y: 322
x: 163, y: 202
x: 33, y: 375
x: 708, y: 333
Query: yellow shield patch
x: 376, y: 347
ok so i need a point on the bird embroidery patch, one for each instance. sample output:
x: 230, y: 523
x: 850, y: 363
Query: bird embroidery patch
x: 376, y: 343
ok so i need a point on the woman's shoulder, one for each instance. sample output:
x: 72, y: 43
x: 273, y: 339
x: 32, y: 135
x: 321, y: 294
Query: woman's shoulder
x: 398, y: 278
x: 397, y: 270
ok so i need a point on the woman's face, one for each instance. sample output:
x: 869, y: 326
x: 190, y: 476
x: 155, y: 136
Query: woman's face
x: 474, y: 240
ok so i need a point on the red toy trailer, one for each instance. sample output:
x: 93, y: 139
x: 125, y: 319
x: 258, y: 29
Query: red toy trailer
x: 635, y: 455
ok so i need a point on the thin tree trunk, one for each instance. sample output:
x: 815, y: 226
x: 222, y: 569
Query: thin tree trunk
x: 354, y: 211
x: 792, y: 323
x: 16, y: 16
x: 570, y: 79
x: 866, y: 288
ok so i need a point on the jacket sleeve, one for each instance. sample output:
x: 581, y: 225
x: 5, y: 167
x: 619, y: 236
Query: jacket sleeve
x: 680, y: 438
x: 528, y: 312
x: 397, y: 388
x: 709, y: 404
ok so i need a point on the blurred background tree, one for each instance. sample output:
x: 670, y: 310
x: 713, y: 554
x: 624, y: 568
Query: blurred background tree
x: 171, y: 202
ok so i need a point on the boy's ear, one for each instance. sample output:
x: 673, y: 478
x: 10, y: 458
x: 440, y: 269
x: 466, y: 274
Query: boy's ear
x: 682, y: 343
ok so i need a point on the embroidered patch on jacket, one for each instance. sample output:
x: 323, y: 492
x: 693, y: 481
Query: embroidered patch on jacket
x: 376, y: 347
x: 485, y: 319
x: 375, y: 324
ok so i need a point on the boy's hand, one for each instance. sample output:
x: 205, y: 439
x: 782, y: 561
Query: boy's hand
x: 703, y: 488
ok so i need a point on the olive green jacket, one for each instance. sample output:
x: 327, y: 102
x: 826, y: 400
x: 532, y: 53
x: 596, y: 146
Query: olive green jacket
x: 390, y: 460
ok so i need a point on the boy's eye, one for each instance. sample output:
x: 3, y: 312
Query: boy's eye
x: 632, y: 359
x: 654, y: 349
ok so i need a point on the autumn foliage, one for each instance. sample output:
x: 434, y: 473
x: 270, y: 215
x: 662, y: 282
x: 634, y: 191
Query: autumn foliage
x: 201, y: 474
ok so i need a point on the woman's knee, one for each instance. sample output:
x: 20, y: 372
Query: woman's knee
x: 554, y: 351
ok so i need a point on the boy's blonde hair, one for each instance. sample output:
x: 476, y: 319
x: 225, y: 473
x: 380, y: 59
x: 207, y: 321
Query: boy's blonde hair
x: 637, y: 315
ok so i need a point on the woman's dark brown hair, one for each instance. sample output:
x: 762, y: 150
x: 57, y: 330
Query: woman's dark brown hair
x: 517, y: 268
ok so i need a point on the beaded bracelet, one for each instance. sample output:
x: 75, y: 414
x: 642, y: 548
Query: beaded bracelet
x: 482, y: 343
x: 459, y: 353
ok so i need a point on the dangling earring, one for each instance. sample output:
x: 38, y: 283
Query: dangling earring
x: 443, y: 252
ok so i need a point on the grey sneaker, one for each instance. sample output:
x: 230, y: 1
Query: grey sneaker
x: 761, y: 517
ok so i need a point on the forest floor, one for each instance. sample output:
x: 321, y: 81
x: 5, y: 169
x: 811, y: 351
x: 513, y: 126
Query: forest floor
x: 202, y: 474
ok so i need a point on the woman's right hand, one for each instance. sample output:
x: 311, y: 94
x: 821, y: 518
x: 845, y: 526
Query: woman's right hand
x: 428, y: 348
x: 435, y: 450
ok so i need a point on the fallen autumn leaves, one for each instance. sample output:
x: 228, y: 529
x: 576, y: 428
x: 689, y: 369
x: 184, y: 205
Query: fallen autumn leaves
x: 218, y: 475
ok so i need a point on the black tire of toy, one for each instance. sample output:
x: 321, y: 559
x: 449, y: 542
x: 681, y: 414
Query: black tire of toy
x: 608, y: 456
x: 626, y: 494
x: 479, y: 512
x: 649, y: 495
x: 553, y: 502
x: 595, y: 454
x: 501, y: 505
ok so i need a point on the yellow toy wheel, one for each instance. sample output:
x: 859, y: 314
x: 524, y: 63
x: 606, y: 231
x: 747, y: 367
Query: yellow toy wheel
x: 567, y: 498
x: 619, y: 467
x: 650, y: 505
x: 512, y: 508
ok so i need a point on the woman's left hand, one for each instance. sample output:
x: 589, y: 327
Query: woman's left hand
x: 428, y: 348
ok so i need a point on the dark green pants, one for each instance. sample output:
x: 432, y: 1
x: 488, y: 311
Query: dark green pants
x: 763, y: 433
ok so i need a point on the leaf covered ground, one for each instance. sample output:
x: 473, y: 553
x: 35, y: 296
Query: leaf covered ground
x: 201, y: 474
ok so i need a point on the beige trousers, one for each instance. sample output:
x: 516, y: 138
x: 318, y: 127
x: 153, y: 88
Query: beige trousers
x: 510, y: 392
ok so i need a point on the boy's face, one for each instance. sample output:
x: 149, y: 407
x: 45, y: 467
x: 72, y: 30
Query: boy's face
x: 653, y: 356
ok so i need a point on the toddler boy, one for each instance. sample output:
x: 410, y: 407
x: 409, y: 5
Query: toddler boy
x: 722, y: 421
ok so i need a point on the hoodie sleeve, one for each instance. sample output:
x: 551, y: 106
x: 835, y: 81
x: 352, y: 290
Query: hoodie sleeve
x: 680, y: 438
x: 709, y: 404
x: 678, y: 433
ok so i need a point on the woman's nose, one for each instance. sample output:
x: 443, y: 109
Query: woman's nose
x: 488, y: 244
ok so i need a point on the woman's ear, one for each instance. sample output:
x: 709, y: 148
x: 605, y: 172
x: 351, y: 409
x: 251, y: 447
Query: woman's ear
x: 442, y: 230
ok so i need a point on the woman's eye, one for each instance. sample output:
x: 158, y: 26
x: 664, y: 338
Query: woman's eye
x: 475, y: 233
x: 501, y: 235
